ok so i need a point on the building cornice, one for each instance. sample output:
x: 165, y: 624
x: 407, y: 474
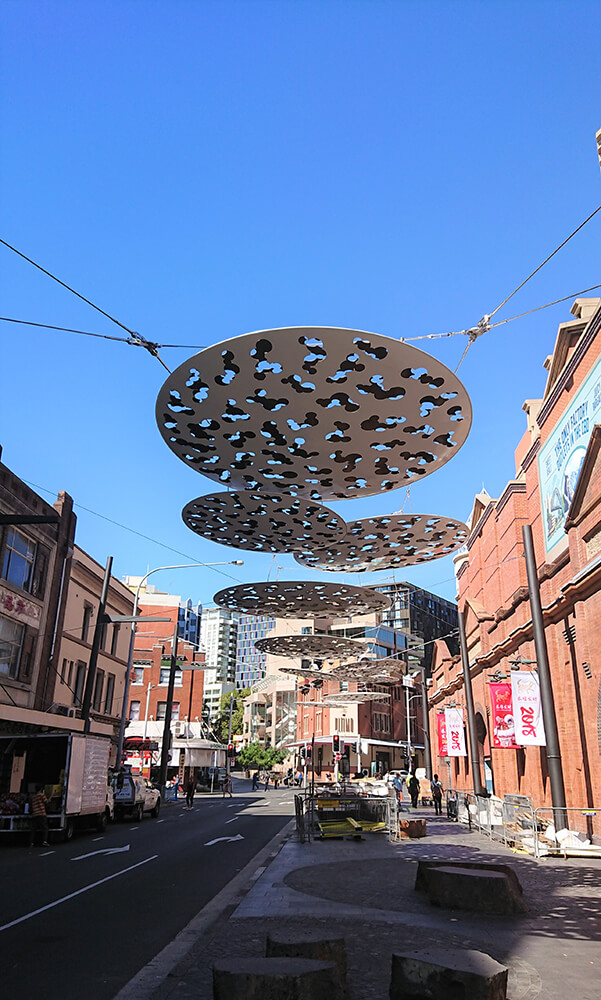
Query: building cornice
x: 590, y: 331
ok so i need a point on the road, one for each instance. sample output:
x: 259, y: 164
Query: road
x: 103, y: 929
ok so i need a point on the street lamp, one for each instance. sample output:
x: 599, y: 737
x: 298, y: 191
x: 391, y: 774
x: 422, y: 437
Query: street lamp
x: 229, y: 562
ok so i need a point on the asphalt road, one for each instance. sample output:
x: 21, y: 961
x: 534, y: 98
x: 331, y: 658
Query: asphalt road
x: 103, y: 929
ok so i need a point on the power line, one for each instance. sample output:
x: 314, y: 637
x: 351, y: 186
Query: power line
x: 135, y: 341
x: 133, y: 531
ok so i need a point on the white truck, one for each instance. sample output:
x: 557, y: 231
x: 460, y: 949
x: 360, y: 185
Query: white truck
x: 134, y: 795
x: 72, y: 769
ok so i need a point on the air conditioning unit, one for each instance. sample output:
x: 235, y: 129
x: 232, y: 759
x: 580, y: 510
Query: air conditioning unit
x: 180, y: 729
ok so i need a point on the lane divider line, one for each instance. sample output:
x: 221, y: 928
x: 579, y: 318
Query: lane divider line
x: 72, y: 895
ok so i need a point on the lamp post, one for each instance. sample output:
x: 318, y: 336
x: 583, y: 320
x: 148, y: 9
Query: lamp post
x: 229, y: 562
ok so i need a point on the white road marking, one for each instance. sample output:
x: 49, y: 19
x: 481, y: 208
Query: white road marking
x: 134, y: 828
x: 160, y: 820
x: 46, y: 853
x: 105, y: 850
x: 78, y: 892
x: 96, y: 839
x: 231, y: 820
x: 218, y: 841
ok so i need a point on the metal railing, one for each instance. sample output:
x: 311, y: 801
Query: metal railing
x: 583, y: 826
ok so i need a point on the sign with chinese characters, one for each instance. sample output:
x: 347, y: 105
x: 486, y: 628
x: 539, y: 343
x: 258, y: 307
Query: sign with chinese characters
x: 442, y: 735
x: 19, y: 607
x: 528, y: 716
x: 503, y: 723
x: 561, y: 456
x: 455, y: 732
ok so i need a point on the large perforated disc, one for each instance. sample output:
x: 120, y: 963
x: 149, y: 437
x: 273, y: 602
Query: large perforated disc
x: 301, y: 599
x: 311, y: 647
x: 263, y: 522
x: 311, y: 673
x: 385, y: 670
x: 389, y: 542
x: 354, y: 697
x: 316, y: 411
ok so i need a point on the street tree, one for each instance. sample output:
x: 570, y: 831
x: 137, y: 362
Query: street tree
x: 256, y: 756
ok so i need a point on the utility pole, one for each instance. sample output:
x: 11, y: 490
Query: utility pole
x: 229, y: 736
x: 469, y: 704
x: 101, y: 622
x: 425, y: 723
x: 558, y: 795
x: 168, y: 710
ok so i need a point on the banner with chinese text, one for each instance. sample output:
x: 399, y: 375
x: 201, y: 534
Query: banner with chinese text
x: 442, y: 735
x: 528, y: 716
x: 455, y: 732
x: 503, y: 724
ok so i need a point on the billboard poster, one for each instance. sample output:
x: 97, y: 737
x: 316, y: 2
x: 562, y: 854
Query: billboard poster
x: 455, y: 732
x: 442, y: 735
x: 528, y: 715
x: 562, y: 454
x: 503, y: 724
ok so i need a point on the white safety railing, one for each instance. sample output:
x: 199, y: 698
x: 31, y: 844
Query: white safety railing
x: 572, y: 839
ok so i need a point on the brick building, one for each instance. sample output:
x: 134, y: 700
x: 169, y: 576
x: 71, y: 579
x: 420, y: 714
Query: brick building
x: 557, y: 490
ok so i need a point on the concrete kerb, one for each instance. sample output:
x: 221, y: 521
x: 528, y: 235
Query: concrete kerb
x: 149, y: 979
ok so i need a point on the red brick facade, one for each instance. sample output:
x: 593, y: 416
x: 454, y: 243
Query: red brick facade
x: 493, y: 593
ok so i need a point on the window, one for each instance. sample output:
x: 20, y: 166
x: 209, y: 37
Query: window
x: 115, y: 639
x: 162, y: 710
x: 110, y: 690
x: 164, y: 677
x: 306, y: 630
x: 80, y: 677
x: 98, y: 686
x: 87, y: 618
x: 134, y: 711
x: 138, y: 675
x: 19, y: 559
x: 11, y: 645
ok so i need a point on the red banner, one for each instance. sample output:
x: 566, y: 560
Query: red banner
x: 442, y: 735
x: 502, y: 720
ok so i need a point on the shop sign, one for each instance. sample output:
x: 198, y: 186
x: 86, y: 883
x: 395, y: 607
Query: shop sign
x: 442, y: 735
x: 19, y: 607
x: 528, y: 716
x: 502, y: 717
x: 562, y: 454
x: 455, y: 732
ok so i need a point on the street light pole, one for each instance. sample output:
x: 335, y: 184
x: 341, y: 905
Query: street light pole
x: 229, y: 562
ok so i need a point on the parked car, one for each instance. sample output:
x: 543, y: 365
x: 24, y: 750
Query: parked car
x: 134, y: 796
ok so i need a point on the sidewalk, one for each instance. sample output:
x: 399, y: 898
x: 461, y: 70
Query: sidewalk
x: 364, y: 891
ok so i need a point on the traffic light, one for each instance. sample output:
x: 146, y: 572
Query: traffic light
x: 346, y: 752
x: 231, y: 751
x: 336, y: 743
x: 302, y: 752
x: 308, y: 753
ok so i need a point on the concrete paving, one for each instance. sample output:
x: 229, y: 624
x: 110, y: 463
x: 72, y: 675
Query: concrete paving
x: 364, y: 891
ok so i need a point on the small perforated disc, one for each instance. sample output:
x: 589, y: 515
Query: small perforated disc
x: 311, y: 647
x: 301, y: 599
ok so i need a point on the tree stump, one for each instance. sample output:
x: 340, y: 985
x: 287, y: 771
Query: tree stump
x: 441, y: 974
x: 273, y: 979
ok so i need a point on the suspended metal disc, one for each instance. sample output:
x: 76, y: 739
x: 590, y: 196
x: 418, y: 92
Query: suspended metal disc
x: 316, y: 411
x: 385, y: 670
x: 301, y: 599
x: 354, y: 697
x: 388, y: 542
x: 323, y: 647
x: 263, y: 522
x: 309, y: 674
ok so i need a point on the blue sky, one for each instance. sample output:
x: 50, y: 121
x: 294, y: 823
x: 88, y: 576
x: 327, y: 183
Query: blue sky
x: 201, y: 170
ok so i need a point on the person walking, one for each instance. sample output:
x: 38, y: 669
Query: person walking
x: 227, y: 786
x: 413, y: 786
x: 255, y: 783
x: 436, y: 787
x: 190, y: 789
x: 267, y: 777
x: 38, y: 816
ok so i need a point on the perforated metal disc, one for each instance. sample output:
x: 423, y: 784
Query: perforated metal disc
x: 310, y: 674
x: 263, y: 522
x: 322, y: 647
x: 385, y: 670
x: 301, y: 599
x: 388, y: 542
x: 316, y: 411
x: 354, y: 697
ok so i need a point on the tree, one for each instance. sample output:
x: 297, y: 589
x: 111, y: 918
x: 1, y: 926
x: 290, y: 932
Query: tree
x: 255, y: 755
x: 222, y: 722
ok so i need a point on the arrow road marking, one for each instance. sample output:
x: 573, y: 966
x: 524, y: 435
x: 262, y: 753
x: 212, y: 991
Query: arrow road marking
x: 106, y: 850
x: 226, y: 839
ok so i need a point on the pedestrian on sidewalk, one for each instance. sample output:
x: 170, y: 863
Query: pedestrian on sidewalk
x: 413, y: 786
x: 190, y: 789
x: 227, y: 786
x: 39, y: 818
x: 436, y: 787
x: 276, y: 781
x: 267, y: 777
x: 174, y: 787
x: 255, y: 783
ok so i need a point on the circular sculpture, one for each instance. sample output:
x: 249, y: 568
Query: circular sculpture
x: 301, y: 599
x: 388, y: 542
x: 315, y: 411
x: 263, y: 522
x: 312, y: 672
x: 386, y: 670
x: 354, y: 697
x: 321, y: 647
